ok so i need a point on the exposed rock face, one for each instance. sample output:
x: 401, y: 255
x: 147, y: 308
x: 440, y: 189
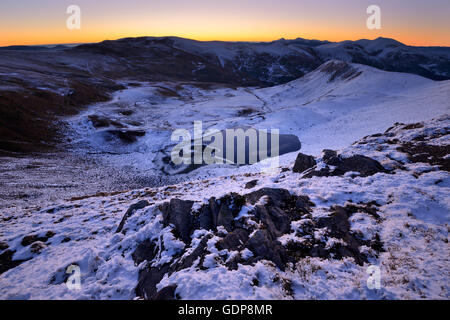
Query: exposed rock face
x: 336, y: 165
x: 178, y: 213
x: 275, y: 213
x: 145, y: 251
x: 140, y: 205
x: 167, y: 293
x: 340, y: 70
x: 303, y: 163
x: 258, y: 232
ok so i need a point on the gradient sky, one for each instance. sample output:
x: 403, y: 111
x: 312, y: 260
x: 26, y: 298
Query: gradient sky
x: 414, y: 22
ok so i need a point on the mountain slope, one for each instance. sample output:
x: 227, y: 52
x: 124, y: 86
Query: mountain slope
x: 58, y: 81
x: 391, y: 55
x: 330, y: 107
x: 283, y: 236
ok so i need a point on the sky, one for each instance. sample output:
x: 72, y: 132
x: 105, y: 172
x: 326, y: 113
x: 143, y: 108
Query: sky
x: 413, y: 22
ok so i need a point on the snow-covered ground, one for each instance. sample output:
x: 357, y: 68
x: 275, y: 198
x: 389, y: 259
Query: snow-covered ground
x: 396, y: 220
x: 403, y: 214
x: 328, y: 108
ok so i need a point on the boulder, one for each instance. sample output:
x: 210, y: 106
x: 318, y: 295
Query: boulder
x: 251, y: 184
x: 364, y: 165
x: 339, y: 166
x: 303, y: 163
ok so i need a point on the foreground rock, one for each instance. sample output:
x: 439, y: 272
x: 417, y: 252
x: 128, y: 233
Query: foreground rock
x: 254, y: 237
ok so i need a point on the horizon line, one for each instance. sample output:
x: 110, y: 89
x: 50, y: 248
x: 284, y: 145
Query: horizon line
x: 216, y: 40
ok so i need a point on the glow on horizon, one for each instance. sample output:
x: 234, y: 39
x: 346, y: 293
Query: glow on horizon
x: 413, y: 22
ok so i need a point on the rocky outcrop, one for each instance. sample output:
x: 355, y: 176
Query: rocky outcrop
x: 258, y: 233
x: 338, y: 165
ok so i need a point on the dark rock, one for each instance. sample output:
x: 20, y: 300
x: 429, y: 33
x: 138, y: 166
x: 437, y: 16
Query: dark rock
x: 263, y: 246
x: 303, y: 204
x: 220, y: 212
x: 118, y: 124
x: 99, y: 122
x: 148, y: 279
x: 251, y: 184
x: 206, y: 220
x: 178, y: 213
x: 427, y: 153
x: 139, y: 205
x: 276, y: 197
x: 198, y: 252
x: 3, y: 245
x: 37, y: 247
x: 413, y: 126
x: 337, y: 222
x: 280, y: 210
x: 225, y: 218
x: 277, y: 221
x: 364, y: 165
x: 145, y: 251
x: 303, y: 163
x: 126, y: 112
x: 327, y: 154
x: 166, y: 293
x: 234, y: 240
x: 49, y: 234
x: 339, y: 227
x: 27, y: 240
x: 6, y: 261
x: 225, y: 209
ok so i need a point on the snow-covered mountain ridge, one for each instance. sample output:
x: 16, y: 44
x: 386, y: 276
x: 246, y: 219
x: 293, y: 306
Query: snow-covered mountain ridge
x: 39, y: 84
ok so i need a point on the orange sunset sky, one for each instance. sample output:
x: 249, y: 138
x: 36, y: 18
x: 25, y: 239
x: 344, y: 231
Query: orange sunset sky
x: 412, y: 22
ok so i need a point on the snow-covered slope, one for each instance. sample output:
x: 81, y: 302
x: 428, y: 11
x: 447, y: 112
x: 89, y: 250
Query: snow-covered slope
x: 282, y: 236
x: 123, y: 142
x: 341, y: 102
x: 391, y: 55
x: 330, y: 107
